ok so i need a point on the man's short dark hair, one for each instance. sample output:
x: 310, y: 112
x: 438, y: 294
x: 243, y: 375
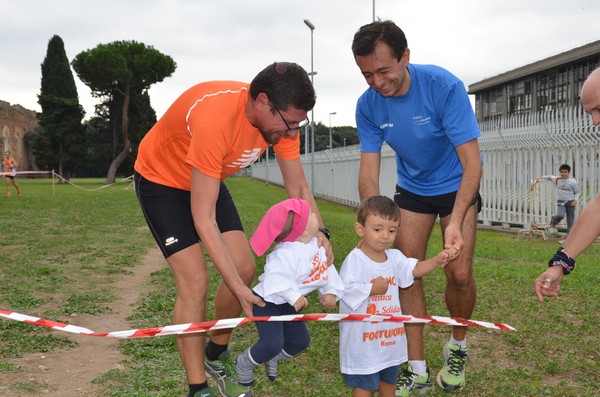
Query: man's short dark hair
x: 285, y: 84
x: 386, y: 32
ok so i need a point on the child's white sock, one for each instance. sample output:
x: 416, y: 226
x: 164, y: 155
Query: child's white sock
x: 462, y: 343
x: 419, y: 367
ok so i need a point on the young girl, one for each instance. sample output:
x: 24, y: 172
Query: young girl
x: 295, y: 267
x: 370, y: 353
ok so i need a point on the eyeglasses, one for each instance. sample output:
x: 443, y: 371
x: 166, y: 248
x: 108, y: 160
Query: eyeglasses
x: 301, y: 124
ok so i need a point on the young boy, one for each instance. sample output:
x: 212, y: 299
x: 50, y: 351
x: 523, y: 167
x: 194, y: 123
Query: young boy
x: 370, y: 353
x: 295, y: 267
x: 567, y: 193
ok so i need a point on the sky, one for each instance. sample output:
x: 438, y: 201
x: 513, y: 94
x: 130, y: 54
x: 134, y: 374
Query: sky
x: 235, y: 39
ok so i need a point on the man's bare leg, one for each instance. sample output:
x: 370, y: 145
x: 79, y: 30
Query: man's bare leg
x: 460, y: 300
x: 413, y: 236
x: 189, y: 270
x: 226, y: 304
x: 461, y: 289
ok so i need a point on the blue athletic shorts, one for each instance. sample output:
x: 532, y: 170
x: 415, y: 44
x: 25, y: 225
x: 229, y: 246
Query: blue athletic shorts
x: 371, y: 381
x: 168, y: 213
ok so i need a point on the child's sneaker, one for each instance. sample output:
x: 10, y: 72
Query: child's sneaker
x: 452, y: 375
x: 222, y: 371
x: 411, y: 384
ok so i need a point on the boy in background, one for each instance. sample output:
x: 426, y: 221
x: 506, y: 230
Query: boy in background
x: 567, y: 193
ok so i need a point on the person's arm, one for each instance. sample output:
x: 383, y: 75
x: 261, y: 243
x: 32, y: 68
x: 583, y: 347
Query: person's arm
x: 425, y: 267
x: 585, y: 231
x: 280, y: 277
x: 442, y: 259
x: 204, y: 193
x: 575, y: 193
x: 468, y: 154
x: 296, y: 186
x: 368, y: 175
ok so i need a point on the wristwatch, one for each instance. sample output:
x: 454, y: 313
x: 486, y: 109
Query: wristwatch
x: 325, y: 231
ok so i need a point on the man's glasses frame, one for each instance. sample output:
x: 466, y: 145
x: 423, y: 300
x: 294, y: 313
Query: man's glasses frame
x: 301, y: 124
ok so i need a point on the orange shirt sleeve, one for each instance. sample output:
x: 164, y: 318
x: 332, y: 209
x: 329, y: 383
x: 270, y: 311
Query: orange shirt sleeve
x: 288, y: 148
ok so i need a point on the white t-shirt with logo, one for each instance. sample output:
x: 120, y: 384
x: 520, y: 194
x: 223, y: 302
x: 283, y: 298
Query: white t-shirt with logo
x: 367, y: 347
x: 294, y: 269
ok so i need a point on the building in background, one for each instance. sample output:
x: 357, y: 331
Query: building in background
x: 548, y: 84
x: 15, y: 123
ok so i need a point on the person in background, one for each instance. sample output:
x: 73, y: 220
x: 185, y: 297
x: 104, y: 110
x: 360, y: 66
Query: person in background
x: 423, y: 112
x: 209, y: 133
x: 10, y: 173
x: 295, y: 267
x: 372, y: 274
x: 587, y: 228
x: 567, y: 193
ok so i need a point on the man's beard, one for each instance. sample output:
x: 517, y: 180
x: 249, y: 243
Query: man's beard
x: 270, y: 137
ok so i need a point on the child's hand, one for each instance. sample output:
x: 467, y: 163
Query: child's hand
x: 380, y: 286
x: 328, y: 301
x: 300, y: 303
x: 448, y: 255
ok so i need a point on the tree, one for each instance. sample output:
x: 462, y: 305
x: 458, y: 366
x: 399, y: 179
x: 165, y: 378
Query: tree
x: 59, y: 141
x: 122, y: 68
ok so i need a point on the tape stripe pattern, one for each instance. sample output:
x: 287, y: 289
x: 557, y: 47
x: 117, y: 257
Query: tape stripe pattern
x: 190, y: 328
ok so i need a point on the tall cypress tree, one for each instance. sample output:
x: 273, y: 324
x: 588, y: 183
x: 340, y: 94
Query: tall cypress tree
x: 60, y: 141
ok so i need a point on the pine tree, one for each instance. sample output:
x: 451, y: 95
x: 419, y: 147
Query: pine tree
x: 122, y: 70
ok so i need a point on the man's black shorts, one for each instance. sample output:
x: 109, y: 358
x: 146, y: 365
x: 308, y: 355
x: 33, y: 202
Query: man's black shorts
x: 441, y: 205
x: 168, y: 213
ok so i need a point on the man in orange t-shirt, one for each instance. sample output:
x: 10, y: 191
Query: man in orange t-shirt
x: 209, y: 133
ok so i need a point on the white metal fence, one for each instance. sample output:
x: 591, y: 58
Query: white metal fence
x: 514, y: 149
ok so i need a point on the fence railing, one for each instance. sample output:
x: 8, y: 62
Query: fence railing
x: 514, y: 150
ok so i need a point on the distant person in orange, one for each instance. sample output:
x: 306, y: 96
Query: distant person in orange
x: 211, y: 131
x: 10, y: 172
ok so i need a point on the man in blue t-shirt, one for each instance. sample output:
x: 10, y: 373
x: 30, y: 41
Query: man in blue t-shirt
x: 423, y: 112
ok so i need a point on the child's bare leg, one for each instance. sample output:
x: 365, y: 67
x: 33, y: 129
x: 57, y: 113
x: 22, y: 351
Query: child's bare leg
x: 362, y: 393
x: 386, y: 390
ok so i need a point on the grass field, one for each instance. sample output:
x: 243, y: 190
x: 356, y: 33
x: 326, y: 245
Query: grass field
x: 60, y: 253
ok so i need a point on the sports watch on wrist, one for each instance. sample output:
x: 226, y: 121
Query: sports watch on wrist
x: 325, y: 231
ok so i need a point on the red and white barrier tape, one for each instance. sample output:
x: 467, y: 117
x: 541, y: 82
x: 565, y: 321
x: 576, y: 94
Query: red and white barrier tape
x: 24, y: 173
x: 63, y: 179
x: 191, y: 328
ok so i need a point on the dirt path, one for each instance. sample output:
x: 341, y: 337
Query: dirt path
x: 70, y: 373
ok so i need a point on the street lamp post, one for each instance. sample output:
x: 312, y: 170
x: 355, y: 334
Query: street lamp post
x: 312, y: 112
x: 373, y: 10
x: 330, y: 136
